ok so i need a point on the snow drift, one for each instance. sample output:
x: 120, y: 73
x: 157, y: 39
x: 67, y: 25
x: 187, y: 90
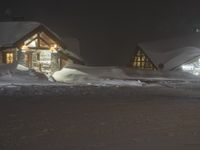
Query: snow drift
x: 102, y: 76
x: 117, y: 76
x: 19, y: 74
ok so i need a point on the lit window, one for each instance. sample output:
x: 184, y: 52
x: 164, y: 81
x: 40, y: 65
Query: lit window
x: 140, y: 61
x: 9, y: 58
x: 33, y: 43
x: 40, y: 41
x: 192, y: 67
x: 30, y: 39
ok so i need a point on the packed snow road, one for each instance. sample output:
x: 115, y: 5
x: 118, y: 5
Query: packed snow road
x: 98, y: 118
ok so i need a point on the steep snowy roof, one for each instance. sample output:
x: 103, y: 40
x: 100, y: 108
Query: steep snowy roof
x: 172, y: 52
x: 11, y: 32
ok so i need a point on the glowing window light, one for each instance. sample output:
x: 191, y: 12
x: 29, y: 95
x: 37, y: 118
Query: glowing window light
x: 54, y: 47
x: 32, y: 44
x: 192, y: 68
x: 9, y: 58
x: 24, y: 47
x: 187, y: 67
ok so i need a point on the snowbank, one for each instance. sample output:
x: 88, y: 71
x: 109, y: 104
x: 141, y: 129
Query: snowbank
x: 95, y: 76
x: 102, y: 72
x: 10, y: 74
x: 115, y: 76
x: 7, y: 68
x: 100, y: 76
x: 69, y: 74
x: 22, y: 68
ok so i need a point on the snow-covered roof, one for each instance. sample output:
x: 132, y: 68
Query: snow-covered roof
x: 172, y: 52
x: 11, y: 32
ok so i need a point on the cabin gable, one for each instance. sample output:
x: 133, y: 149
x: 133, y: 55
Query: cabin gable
x: 141, y: 61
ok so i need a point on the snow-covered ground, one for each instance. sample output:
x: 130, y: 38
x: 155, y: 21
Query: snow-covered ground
x: 24, y: 81
x: 19, y: 74
x: 116, y: 76
x: 70, y: 75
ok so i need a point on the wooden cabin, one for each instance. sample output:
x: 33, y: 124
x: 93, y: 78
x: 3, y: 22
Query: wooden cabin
x: 35, y: 46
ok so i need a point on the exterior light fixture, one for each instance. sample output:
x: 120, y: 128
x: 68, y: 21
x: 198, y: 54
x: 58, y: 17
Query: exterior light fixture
x: 24, y: 48
x: 53, y: 48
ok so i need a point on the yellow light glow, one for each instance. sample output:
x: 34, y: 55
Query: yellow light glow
x: 24, y: 47
x: 54, y: 47
x: 9, y: 58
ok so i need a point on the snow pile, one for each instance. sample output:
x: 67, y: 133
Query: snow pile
x: 99, y: 76
x: 7, y: 69
x: 101, y: 72
x: 69, y: 74
x: 115, y: 76
x: 22, y: 68
x: 11, y: 74
x: 12, y: 68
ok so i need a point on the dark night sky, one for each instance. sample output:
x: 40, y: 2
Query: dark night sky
x: 109, y: 30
